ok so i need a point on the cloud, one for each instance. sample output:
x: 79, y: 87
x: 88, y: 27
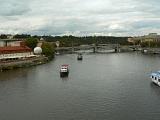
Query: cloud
x: 77, y: 17
x: 13, y: 8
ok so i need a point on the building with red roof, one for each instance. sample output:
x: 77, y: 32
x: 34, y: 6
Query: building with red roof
x: 13, y: 50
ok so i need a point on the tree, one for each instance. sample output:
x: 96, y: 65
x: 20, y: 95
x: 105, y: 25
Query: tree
x: 48, y: 50
x: 31, y: 42
x: 144, y: 44
x: 3, y: 36
x: 21, y: 36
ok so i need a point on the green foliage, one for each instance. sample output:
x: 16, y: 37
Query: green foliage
x: 48, y: 50
x: 137, y: 42
x: 31, y: 42
x: 150, y: 44
x: 67, y: 41
x: 144, y: 44
x: 21, y: 36
x: 3, y: 36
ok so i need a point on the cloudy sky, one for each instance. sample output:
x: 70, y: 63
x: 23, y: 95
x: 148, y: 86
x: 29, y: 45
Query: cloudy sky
x: 80, y: 17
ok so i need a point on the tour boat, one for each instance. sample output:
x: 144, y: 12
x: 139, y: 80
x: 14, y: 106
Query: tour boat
x: 79, y: 57
x: 64, y: 71
x: 155, y: 76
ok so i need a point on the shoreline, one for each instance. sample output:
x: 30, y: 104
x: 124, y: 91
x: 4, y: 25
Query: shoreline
x: 42, y: 60
x: 23, y: 63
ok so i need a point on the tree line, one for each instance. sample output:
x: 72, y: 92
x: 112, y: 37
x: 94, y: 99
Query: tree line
x: 73, y: 40
x: 67, y: 41
x: 76, y: 41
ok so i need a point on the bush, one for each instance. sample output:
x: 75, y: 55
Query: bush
x: 31, y: 42
x: 48, y: 50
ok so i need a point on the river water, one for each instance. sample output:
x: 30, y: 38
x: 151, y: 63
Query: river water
x: 112, y: 86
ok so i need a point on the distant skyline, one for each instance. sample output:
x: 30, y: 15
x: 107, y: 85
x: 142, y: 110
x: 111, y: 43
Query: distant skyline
x: 80, y: 17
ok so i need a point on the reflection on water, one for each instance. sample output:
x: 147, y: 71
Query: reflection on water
x: 64, y: 79
x: 12, y: 74
x: 155, y: 88
x: 101, y: 87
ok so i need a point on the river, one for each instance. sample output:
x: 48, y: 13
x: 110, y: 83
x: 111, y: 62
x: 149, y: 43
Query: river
x: 112, y: 86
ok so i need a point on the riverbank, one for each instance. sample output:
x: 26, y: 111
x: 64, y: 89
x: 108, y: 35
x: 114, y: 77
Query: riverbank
x: 23, y: 63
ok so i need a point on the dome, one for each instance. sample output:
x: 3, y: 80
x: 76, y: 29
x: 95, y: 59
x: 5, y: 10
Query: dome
x: 37, y: 50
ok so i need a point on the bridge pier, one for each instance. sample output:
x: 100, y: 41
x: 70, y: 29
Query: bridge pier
x: 72, y: 50
x: 117, y: 49
x: 94, y: 49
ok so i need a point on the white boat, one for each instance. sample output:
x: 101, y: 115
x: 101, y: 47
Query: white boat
x: 155, y: 76
x: 64, y: 71
x: 57, y: 53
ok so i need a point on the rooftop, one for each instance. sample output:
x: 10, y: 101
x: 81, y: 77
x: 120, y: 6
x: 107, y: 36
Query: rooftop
x: 10, y: 39
x: 14, y: 49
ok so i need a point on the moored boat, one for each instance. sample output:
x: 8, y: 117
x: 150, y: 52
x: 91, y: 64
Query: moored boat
x: 155, y: 76
x: 64, y: 71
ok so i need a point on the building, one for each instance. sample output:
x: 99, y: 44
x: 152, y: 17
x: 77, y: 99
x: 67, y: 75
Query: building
x: 9, y: 42
x: 14, y: 50
x: 130, y: 40
x: 153, y: 37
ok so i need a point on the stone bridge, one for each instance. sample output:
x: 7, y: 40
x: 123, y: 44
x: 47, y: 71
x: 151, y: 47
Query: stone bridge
x: 93, y: 48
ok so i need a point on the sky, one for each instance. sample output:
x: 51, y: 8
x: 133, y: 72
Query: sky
x: 80, y: 17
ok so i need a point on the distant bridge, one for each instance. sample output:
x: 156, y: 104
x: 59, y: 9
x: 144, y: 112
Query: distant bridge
x: 93, y: 48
